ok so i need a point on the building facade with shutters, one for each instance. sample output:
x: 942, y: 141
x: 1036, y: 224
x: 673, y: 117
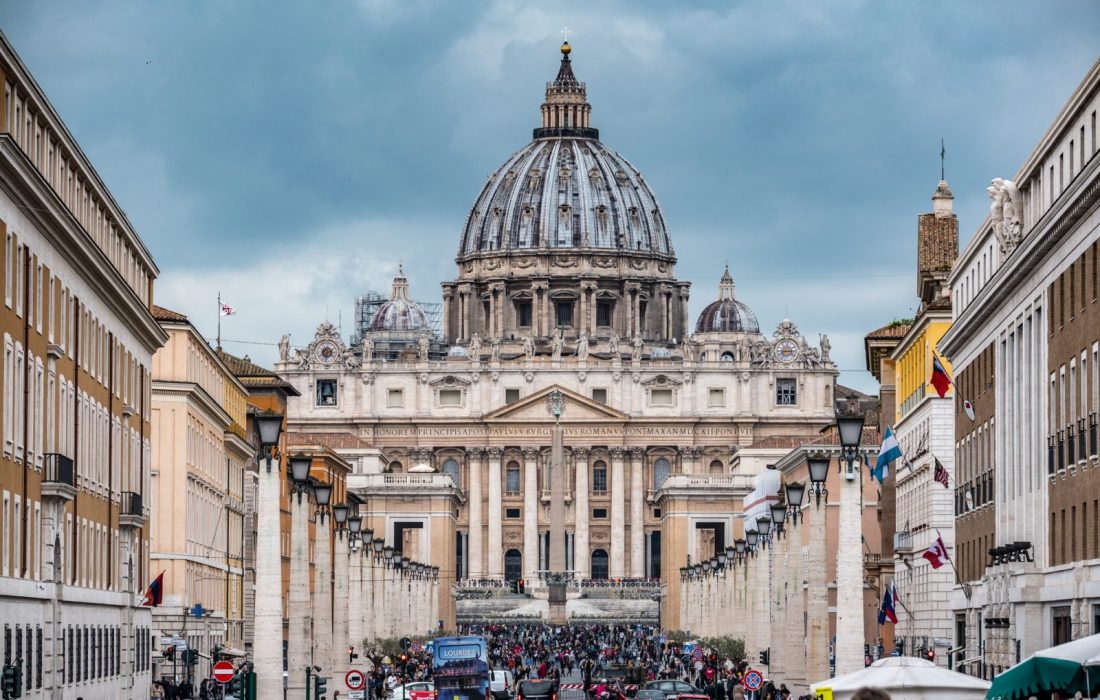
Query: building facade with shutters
x: 79, y: 337
x: 565, y: 289
x: 1024, y: 343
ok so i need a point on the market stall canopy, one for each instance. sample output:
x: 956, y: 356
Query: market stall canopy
x: 907, y: 678
x: 1065, y: 667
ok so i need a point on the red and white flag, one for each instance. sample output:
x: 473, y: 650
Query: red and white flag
x: 937, y: 554
x: 227, y: 310
x: 940, y: 474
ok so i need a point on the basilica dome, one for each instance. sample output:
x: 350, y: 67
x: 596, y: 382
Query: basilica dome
x: 727, y: 314
x: 566, y: 189
x: 400, y: 314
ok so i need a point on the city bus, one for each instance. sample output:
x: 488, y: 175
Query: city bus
x: 460, y: 667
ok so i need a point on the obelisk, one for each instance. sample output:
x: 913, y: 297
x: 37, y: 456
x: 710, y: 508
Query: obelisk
x: 557, y: 490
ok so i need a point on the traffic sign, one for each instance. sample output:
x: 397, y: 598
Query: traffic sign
x: 223, y: 672
x: 355, y: 679
x: 417, y: 647
x: 753, y: 679
x: 697, y: 653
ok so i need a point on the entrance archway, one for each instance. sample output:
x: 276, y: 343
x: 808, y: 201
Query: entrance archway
x: 513, y: 565
x: 599, y: 564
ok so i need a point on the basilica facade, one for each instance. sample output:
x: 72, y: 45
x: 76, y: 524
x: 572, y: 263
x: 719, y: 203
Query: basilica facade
x: 565, y: 311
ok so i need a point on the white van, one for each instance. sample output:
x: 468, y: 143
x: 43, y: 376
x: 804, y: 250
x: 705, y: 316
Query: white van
x: 501, y: 685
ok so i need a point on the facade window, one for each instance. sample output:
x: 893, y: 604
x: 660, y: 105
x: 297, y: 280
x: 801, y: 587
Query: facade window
x: 1061, y: 631
x: 660, y: 397
x: 599, y: 477
x: 660, y: 472
x: 326, y: 392
x: 395, y: 398
x: 511, y: 396
x: 511, y: 485
x: 563, y: 314
x: 513, y: 565
x: 450, y: 397
x: 523, y: 313
x: 716, y: 398
x: 786, y: 392
x: 450, y: 468
x: 599, y: 513
x: 726, y: 357
x: 512, y: 513
x: 716, y: 466
x: 603, y: 313
x: 599, y: 395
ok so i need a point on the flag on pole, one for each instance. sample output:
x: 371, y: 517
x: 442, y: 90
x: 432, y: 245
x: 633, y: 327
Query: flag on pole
x: 889, y: 451
x: 940, y: 379
x: 227, y: 310
x: 937, y: 554
x: 887, y: 611
x: 940, y: 474
x: 155, y: 594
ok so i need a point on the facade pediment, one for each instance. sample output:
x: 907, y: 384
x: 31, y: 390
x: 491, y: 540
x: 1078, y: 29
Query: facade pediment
x: 575, y: 407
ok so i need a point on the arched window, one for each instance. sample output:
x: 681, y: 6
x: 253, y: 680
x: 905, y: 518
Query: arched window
x: 727, y: 356
x: 395, y: 467
x: 599, y: 477
x: 513, y: 565
x: 450, y: 468
x: 599, y: 564
x: 511, y: 482
x: 660, y: 472
x: 716, y: 466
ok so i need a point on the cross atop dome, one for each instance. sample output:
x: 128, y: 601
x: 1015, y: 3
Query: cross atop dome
x: 566, y: 111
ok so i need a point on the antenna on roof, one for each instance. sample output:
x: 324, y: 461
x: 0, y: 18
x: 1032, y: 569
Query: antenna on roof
x: 943, y: 152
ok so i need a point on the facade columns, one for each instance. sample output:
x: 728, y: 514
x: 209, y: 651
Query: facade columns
x: 817, y: 592
x: 497, y: 300
x: 616, y: 565
x: 538, y: 312
x: 370, y: 586
x: 267, y: 648
x: 299, y: 649
x: 582, y: 556
x: 530, y: 512
x: 637, y: 513
x: 474, y: 553
x: 849, y: 578
x: 322, y: 592
x: 341, y: 607
x: 496, y: 540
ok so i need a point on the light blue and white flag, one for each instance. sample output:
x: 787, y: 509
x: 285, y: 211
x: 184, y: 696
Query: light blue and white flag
x: 889, y: 451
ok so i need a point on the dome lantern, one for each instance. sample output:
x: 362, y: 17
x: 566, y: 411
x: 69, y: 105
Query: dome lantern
x: 727, y: 314
x: 566, y: 111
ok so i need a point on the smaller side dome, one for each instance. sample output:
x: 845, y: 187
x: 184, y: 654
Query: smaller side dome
x: 400, y: 314
x: 727, y: 315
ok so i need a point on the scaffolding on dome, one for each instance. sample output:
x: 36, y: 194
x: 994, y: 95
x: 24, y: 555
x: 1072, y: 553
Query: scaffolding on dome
x: 367, y: 305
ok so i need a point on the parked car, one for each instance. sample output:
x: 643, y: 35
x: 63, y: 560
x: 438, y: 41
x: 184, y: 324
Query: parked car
x: 692, y: 696
x: 537, y: 689
x: 502, y: 685
x: 671, y: 688
x: 650, y: 694
x: 417, y: 690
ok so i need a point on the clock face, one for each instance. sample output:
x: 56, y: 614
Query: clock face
x: 786, y: 350
x: 327, y: 351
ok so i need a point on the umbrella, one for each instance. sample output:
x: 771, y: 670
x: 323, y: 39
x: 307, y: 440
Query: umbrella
x: 1062, y: 668
x: 907, y: 678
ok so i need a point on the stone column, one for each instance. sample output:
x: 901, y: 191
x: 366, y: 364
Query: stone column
x: 637, y: 512
x: 267, y: 647
x: 530, y: 512
x: 817, y: 592
x: 355, y: 601
x: 379, y: 574
x: 448, y: 309
x: 496, y: 542
x: 499, y: 300
x: 538, y: 290
x: 616, y: 563
x: 849, y: 578
x: 322, y: 593
x: 474, y: 554
x: 370, y: 588
x: 299, y: 649
x: 582, y: 556
x: 341, y: 601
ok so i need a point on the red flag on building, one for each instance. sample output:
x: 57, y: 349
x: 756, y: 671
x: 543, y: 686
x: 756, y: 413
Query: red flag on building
x: 937, y: 554
x: 940, y: 378
x: 155, y: 594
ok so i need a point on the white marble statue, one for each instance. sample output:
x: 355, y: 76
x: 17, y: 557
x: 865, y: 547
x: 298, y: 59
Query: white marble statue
x: 636, y: 348
x: 494, y: 348
x: 368, y: 350
x: 582, y: 345
x: 557, y: 345
x: 349, y: 359
x: 529, y: 346
x: 475, y: 348
x: 424, y: 344
x: 826, y: 346
x: 1005, y: 212
x: 284, y: 348
x: 613, y: 344
x: 689, y: 349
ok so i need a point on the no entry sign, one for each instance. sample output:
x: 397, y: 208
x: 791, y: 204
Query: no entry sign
x: 753, y: 680
x: 223, y: 672
x: 355, y: 679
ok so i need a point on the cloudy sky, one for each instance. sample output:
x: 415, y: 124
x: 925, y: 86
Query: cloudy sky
x: 290, y: 154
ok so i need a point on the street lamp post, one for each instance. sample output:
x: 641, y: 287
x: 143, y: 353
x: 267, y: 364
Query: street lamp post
x: 849, y: 557
x: 341, y: 611
x: 299, y: 648
x: 267, y: 649
x: 322, y: 572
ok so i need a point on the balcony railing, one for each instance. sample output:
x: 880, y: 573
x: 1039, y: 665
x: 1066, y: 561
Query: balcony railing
x: 58, y: 477
x: 131, y: 513
x: 903, y: 542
